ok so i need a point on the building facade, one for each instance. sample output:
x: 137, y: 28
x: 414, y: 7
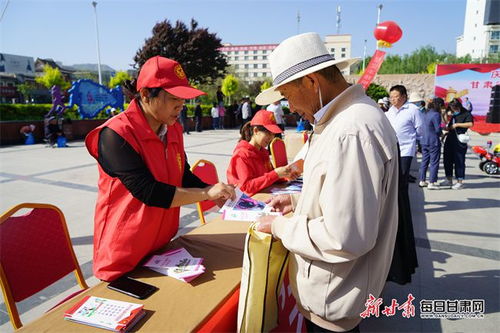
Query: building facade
x: 250, y: 62
x: 481, y: 36
x: 339, y: 46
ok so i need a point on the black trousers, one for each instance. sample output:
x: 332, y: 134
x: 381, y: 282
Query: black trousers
x: 313, y: 328
x: 454, y: 156
x: 405, y: 169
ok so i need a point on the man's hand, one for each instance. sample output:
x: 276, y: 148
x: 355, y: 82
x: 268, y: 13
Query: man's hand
x: 265, y: 223
x: 281, y: 203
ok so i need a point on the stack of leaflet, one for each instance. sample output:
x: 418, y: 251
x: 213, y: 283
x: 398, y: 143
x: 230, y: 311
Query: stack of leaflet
x: 178, y: 264
x: 105, y: 313
x: 294, y: 186
x: 244, y: 208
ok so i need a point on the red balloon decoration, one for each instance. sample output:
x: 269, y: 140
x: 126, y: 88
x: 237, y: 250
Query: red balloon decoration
x: 387, y: 33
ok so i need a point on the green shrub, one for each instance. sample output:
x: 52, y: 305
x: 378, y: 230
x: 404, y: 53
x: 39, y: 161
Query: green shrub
x: 30, y: 112
x: 376, y: 92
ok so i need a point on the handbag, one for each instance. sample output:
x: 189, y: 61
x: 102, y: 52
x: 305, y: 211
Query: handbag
x: 265, y: 261
x: 463, y: 138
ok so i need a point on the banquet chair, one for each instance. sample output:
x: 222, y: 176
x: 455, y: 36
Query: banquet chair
x: 207, y: 172
x: 278, y: 153
x: 305, y: 136
x: 35, y: 252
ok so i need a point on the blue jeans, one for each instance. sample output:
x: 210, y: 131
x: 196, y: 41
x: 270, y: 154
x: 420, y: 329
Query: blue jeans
x: 215, y: 123
x: 430, y: 155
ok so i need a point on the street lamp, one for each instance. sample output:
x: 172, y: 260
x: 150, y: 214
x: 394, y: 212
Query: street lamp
x: 364, y: 57
x: 94, y: 3
x: 379, y: 10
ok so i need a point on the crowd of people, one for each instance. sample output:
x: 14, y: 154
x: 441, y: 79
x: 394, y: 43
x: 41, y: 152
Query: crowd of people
x: 348, y: 231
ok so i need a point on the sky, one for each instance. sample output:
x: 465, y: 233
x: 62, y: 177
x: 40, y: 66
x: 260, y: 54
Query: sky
x: 65, y: 30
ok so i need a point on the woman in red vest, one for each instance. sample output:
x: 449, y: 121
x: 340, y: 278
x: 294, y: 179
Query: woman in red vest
x: 144, y: 176
x: 250, y: 167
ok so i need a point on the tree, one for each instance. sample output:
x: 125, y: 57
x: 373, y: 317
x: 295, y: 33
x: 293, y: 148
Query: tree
x: 118, y: 79
x: 26, y: 89
x: 376, y: 92
x: 196, y: 49
x: 52, y: 77
x: 266, y: 85
x: 230, y: 86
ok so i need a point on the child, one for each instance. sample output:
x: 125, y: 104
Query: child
x: 250, y: 167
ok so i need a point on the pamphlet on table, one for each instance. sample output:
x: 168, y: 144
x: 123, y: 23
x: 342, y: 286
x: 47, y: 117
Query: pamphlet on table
x: 105, y: 313
x: 178, y: 264
x: 295, y: 186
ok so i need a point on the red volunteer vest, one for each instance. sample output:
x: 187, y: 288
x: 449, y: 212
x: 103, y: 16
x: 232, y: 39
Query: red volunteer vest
x: 125, y: 229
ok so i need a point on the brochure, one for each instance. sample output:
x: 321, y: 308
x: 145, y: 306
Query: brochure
x: 178, y: 264
x: 244, y: 208
x: 105, y: 313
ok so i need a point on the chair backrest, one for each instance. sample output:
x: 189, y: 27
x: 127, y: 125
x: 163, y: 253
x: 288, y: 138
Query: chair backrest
x: 207, y: 172
x: 278, y: 153
x: 305, y: 136
x: 35, y: 251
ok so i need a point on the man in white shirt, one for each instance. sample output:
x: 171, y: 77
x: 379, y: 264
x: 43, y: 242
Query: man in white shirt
x: 278, y: 113
x: 246, y: 111
x: 406, y: 120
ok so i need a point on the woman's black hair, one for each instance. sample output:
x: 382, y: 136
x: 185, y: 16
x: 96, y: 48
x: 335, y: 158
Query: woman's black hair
x: 130, y: 90
x: 246, y: 131
x: 455, y: 103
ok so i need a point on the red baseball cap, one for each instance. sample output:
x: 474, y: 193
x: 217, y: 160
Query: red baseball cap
x: 266, y: 119
x: 160, y: 72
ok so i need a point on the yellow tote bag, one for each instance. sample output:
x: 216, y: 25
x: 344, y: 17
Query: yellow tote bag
x: 264, y: 265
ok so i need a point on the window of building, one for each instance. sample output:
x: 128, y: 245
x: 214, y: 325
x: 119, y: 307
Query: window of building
x: 246, y: 57
x: 254, y: 52
x: 246, y: 65
x: 255, y: 57
x: 264, y: 74
x: 264, y: 65
x: 332, y: 50
x: 246, y: 52
x: 493, y: 48
x: 264, y: 57
x: 237, y: 66
x: 259, y: 74
x: 236, y: 52
x: 343, y: 55
x: 343, y: 49
x: 254, y: 74
x: 255, y: 66
x: 236, y: 58
x: 495, y: 34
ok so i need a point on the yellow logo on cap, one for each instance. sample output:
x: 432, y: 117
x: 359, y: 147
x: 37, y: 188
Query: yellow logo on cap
x: 271, y: 117
x: 179, y: 72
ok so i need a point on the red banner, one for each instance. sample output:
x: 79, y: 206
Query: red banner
x: 372, y: 69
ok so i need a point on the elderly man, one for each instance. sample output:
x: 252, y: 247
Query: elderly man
x: 342, y: 232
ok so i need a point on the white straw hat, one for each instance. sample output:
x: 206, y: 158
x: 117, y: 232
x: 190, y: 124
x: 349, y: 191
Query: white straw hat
x: 296, y: 57
x: 415, y: 97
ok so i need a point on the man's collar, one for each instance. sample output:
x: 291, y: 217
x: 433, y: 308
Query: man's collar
x: 321, y: 112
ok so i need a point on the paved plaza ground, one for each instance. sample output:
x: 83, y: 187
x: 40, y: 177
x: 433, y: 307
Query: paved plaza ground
x: 457, y: 232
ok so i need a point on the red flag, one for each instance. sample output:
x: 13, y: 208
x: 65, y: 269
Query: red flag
x: 372, y: 69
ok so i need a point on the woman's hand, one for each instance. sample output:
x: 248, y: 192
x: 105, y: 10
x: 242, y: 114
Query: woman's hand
x: 281, y: 203
x: 287, y: 172
x: 220, y: 192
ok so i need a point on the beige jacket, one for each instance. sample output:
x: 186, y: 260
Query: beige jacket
x: 345, y: 221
